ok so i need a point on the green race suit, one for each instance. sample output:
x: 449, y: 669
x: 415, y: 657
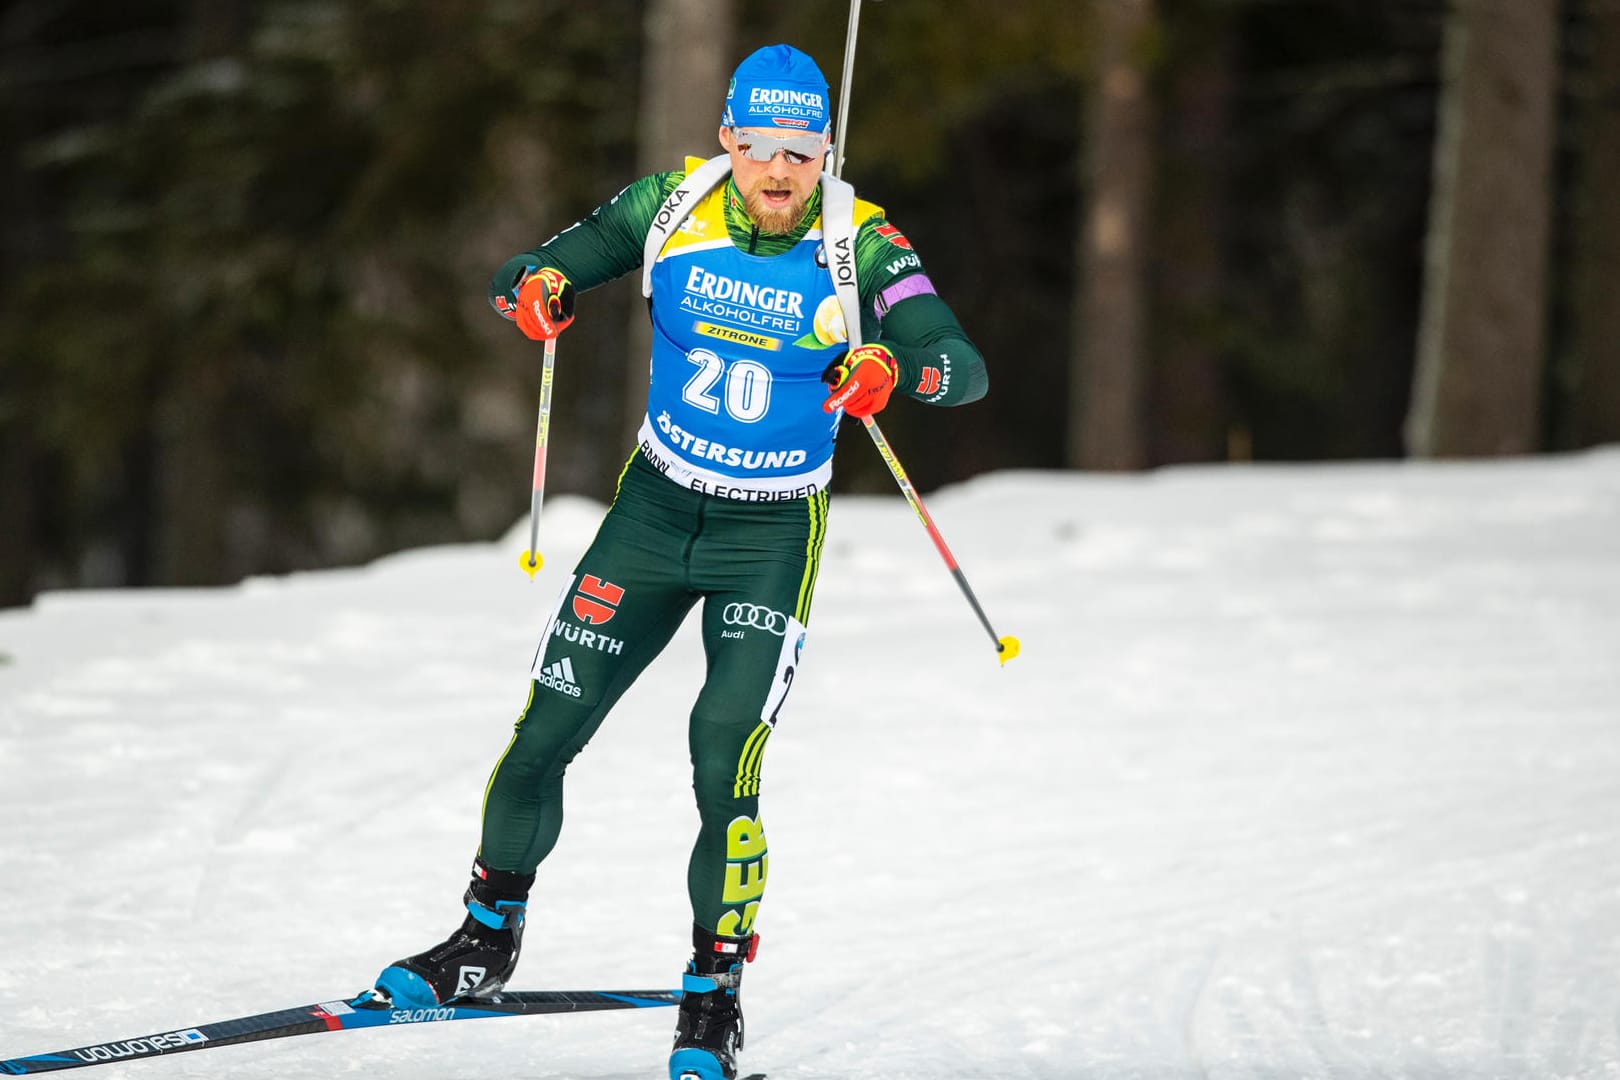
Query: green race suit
x: 664, y: 547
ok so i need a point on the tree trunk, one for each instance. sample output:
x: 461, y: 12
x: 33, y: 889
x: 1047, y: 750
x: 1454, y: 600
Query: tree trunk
x: 1481, y: 340
x: 193, y: 493
x: 1596, y: 315
x: 1107, y: 377
x: 192, y: 489
x: 21, y: 211
x: 1187, y: 414
x: 686, y: 62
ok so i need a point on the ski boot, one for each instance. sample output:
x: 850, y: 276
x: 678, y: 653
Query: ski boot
x: 478, y: 958
x: 709, y: 1029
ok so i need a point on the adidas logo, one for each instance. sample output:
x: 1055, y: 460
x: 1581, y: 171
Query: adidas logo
x: 560, y: 677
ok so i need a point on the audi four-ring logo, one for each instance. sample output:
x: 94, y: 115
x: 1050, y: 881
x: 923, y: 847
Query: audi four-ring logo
x: 760, y: 618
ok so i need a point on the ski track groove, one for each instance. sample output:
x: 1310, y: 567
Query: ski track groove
x: 233, y: 831
x: 1509, y: 969
x: 1334, y: 1058
x: 1194, y: 990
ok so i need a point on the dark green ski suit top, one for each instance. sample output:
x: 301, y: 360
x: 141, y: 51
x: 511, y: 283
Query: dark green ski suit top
x: 917, y: 327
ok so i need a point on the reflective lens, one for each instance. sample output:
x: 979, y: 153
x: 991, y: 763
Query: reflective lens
x: 763, y: 146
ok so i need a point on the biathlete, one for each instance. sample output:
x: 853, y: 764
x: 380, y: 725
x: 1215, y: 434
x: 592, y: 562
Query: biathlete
x: 779, y: 303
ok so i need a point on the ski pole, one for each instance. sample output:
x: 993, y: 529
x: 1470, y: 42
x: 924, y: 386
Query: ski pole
x: 1006, y: 647
x: 530, y: 559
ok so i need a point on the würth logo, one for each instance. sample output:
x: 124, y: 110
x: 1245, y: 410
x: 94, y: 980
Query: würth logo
x: 929, y: 383
x: 597, y: 601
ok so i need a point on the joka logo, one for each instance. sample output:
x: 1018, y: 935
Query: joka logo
x: 560, y: 677
x: 597, y: 601
x: 929, y: 383
x: 844, y: 262
x: 667, y: 211
x: 893, y: 236
x: 760, y: 618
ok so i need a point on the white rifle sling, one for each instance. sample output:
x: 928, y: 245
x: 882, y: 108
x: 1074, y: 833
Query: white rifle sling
x: 838, y: 234
x: 677, y: 207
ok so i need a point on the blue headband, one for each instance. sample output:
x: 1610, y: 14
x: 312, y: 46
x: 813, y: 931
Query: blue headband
x: 778, y: 87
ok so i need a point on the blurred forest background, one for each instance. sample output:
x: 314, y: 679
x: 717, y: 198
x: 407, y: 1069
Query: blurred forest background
x: 246, y: 242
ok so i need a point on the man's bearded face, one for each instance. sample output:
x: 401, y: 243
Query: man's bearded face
x: 774, y: 192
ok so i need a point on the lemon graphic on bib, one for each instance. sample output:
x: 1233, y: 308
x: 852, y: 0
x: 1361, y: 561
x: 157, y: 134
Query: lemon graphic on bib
x: 828, y: 327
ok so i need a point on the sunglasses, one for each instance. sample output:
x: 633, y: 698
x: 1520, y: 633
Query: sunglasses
x: 798, y: 149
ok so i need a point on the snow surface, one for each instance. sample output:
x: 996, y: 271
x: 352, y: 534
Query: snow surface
x: 1303, y: 772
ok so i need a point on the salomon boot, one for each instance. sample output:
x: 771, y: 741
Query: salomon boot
x: 478, y: 958
x: 709, y: 1030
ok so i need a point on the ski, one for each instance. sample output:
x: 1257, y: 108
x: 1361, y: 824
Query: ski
x: 365, y: 1011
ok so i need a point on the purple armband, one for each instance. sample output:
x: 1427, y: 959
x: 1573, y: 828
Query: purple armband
x: 913, y: 285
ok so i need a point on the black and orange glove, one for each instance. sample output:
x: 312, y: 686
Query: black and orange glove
x: 545, y: 304
x: 861, y: 381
